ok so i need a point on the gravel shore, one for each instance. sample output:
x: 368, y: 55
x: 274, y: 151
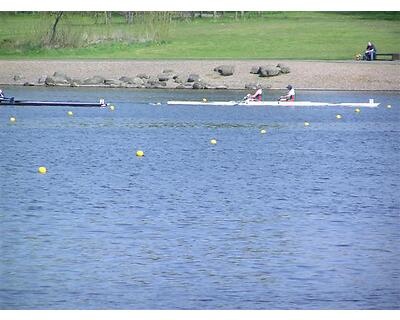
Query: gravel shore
x: 313, y: 75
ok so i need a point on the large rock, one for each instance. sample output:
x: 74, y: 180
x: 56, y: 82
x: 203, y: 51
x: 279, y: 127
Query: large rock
x: 225, y: 70
x: 61, y: 76
x: 137, y: 81
x: 94, y: 80
x: 42, y: 79
x: 284, y: 68
x: 163, y: 77
x: 113, y: 82
x: 75, y: 84
x: 199, y: 85
x: 56, y: 81
x: 159, y: 85
x: 143, y: 76
x: 59, y: 79
x: 126, y: 79
x: 124, y: 85
x: 76, y: 81
x: 154, y: 83
x: 255, y: 69
x: 251, y: 86
x: 49, y: 81
x: 188, y: 85
x: 193, y: 77
x: 178, y: 79
x: 269, y: 71
x: 133, y: 81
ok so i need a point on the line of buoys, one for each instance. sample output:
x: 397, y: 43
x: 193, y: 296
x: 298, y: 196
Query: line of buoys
x: 140, y: 153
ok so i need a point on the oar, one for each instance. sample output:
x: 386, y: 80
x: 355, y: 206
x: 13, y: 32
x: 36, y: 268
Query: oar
x: 280, y: 99
x: 243, y: 99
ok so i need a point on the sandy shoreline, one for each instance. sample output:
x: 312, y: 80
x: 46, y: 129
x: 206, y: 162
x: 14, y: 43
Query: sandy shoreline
x: 323, y: 75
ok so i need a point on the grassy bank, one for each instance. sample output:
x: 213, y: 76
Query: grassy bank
x: 275, y: 35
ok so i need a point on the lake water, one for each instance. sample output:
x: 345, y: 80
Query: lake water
x: 297, y: 218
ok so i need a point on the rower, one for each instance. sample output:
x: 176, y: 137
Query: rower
x: 2, y: 97
x: 290, y: 95
x: 257, y: 96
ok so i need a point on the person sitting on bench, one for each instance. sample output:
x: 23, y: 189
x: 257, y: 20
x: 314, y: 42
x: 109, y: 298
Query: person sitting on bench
x: 370, y: 52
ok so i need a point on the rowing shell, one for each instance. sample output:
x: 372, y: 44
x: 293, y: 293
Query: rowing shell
x: 370, y: 104
x: 52, y: 103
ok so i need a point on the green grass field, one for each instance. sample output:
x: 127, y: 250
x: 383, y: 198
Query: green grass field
x: 274, y: 35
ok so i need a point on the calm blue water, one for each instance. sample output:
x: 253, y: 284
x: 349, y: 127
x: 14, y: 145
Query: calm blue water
x: 298, y: 218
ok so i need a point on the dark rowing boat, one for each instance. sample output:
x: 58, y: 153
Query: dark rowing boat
x: 11, y: 102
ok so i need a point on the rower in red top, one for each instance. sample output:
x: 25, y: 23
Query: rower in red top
x: 290, y: 95
x: 257, y: 96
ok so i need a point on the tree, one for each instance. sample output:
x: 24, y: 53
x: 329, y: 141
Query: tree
x: 54, y: 28
x: 129, y: 17
x: 107, y: 16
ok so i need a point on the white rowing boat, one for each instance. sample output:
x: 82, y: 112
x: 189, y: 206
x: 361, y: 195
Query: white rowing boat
x: 370, y: 104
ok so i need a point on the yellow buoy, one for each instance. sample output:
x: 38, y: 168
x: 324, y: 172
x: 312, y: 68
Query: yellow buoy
x: 204, y: 100
x: 112, y: 108
x: 12, y: 119
x: 338, y: 116
x: 139, y: 153
x: 213, y: 141
x: 357, y: 110
x: 263, y: 131
x: 306, y: 124
x: 42, y: 170
x: 70, y: 113
x: 388, y: 106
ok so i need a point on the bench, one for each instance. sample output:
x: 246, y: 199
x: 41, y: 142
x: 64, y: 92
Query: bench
x: 393, y: 56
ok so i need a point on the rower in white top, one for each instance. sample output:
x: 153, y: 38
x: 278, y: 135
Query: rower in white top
x: 290, y: 95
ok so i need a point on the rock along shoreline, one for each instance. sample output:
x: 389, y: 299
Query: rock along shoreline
x: 204, y: 74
